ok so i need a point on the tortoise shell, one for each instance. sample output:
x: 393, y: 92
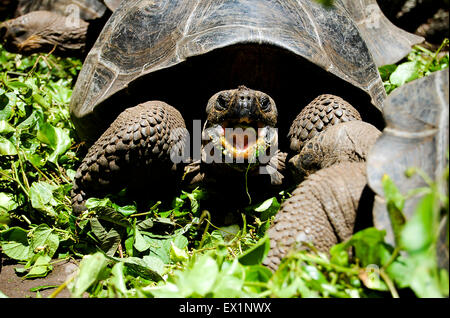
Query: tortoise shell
x: 416, y: 135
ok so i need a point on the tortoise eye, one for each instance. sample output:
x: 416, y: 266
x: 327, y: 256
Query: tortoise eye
x: 265, y: 104
x: 222, y: 102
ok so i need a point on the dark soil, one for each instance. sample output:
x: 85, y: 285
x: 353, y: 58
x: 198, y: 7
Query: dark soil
x: 15, y: 286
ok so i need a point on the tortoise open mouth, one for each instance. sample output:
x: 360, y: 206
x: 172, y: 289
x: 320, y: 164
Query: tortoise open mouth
x: 242, y: 139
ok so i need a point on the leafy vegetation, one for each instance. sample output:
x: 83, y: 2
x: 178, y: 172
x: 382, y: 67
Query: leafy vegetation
x: 173, y: 249
x: 419, y: 63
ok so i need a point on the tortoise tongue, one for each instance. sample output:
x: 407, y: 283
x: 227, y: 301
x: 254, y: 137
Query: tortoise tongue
x: 241, y: 138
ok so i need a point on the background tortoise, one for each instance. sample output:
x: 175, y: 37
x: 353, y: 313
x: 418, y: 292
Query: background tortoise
x: 182, y: 52
x: 68, y: 25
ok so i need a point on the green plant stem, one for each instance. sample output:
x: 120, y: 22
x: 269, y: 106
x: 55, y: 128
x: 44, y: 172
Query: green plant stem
x: 256, y: 284
x: 393, y: 257
x: 140, y: 214
x: 445, y: 42
x: 317, y: 260
x: 389, y: 284
x: 264, y: 294
x: 59, y: 260
x: 207, y: 216
x: 147, y: 213
x: 61, y: 287
x: 22, y: 170
x: 26, y: 219
x: 246, y: 184
x: 15, y: 178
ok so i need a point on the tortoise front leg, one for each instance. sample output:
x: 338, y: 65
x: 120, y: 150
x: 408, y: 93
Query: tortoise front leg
x: 135, y: 150
x: 320, y: 212
x: 324, y: 111
x: 320, y: 114
x: 332, y: 144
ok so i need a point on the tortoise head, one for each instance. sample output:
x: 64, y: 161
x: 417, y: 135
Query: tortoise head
x: 22, y: 35
x: 241, y: 122
x: 39, y: 31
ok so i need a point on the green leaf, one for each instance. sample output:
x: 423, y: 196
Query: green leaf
x: 37, y: 160
x: 228, y: 287
x: 401, y: 270
x: 339, y: 254
x: 425, y: 278
x: 42, y: 199
x: 91, y: 267
x: 257, y: 273
x: 92, y: 203
x: 139, y: 242
x: 418, y: 233
x: 5, y: 127
x: 386, y: 71
x: 35, y: 117
x: 256, y: 254
x: 404, y: 73
x: 118, y: 279
x: 98, y: 229
x: 229, y: 232
x: 155, y: 264
x: 201, y: 277
x: 395, y: 203
x: 168, y: 290
x: 40, y: 268
x: 177, y: 254
x: 57, y: 138
x: 109, y: 240
x: 7, y: 202
x: 15, y: 84
x: 268, y: 208
x: 110, y: 215
x: 43, y: 238
x: 369, y: 246
x: 145, y: 225
x: 126, y: 210
x: 7, y: 148
x: 392, y: 194
x: 194, y: 198
x: 14, y: 243
x: 148, y: 267
x: 40, y: 100
x: 444, y: 281
x: 213, y: 239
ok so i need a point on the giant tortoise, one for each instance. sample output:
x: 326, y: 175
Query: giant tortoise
x: 254, y: 64
x: 68, y: 26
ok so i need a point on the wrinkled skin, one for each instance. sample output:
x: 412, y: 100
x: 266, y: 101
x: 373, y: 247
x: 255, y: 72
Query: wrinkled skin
x: 320, y: 212
x: 347, y: 141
